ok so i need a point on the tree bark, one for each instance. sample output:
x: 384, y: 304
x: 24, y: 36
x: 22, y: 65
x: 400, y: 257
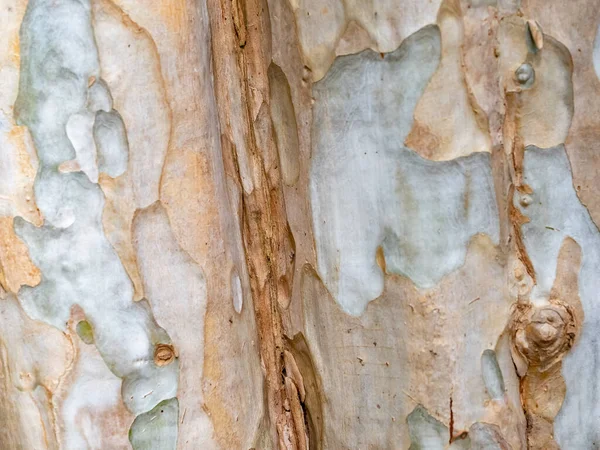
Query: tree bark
x: 299, y: 224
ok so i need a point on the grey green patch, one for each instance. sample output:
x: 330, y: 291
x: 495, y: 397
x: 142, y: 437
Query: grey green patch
x: 156, y: 429
x: 485, y: 436
x: 426, y: 432
x: 368, y: 190
x: 492, y: 375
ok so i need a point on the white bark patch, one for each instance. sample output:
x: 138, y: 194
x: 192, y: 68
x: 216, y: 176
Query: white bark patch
x: 79, y: 130
x: 78, y: 264
x: 368, y: 190
x: 111, y: 141
x: 556, y: 213
x: 236, y: 290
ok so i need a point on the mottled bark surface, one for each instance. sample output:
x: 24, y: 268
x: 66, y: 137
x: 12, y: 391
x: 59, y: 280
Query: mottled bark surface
x: 299, y: 224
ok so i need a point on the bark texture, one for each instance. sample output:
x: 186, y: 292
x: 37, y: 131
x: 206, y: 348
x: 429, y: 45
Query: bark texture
x: 299, y: 224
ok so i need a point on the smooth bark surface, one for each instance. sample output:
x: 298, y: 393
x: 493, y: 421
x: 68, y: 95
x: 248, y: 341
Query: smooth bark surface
x: 299, y: 224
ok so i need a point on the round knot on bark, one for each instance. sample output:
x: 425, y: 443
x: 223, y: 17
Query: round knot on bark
x: 542, y: 335
x: 164, y: 354
x: 525, y: 75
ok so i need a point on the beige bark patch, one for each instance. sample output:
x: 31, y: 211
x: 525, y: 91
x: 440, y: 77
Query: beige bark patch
x: 16, y: 268
x: 354, y: 40
x: 116, y: 221
x: 406, y: 349
x: 322, y: 27
x: 34, y: 357
x: 448, y: 123
x: 545, y: 106
x: 283, y: 116
x: 140, y: 97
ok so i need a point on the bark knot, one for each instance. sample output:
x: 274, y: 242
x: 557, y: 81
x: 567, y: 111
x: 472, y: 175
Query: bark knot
x: 164, y: 354
x: 541, y: 335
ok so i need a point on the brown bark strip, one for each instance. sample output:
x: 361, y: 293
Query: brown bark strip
x: 514, y: 147
x: 517, y: 220
x: 264, y: 225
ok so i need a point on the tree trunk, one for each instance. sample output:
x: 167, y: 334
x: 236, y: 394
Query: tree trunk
x: 299, y: 224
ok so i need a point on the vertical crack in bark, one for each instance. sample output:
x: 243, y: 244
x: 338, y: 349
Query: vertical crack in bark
x: 515, y: 149
x: 451, y: 426
x: 264, y: 223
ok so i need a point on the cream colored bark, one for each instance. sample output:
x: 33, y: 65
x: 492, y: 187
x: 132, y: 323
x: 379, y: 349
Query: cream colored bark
x: 299, y: 224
